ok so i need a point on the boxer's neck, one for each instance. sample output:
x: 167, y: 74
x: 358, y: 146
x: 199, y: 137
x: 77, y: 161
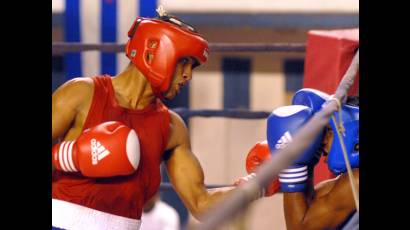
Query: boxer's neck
x: 132, y: 90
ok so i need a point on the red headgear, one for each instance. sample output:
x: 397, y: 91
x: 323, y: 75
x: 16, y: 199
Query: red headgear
x: 156, y: 45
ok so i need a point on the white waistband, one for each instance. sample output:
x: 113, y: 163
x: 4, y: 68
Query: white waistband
x: 67, y: 215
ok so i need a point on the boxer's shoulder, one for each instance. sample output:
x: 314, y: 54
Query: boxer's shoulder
x: 81, y: 85
x: 76, y: 90
x: 77, y: 85
x: 178, y: 131
x: 176, y: 119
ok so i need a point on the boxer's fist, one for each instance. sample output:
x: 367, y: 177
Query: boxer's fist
x: 256, y: 156
x: 311, y: 98
x: 106, y: 150
x: 283, y: 123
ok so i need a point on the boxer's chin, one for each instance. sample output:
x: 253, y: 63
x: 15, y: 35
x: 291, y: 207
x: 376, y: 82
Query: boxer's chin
x: 170, y: 94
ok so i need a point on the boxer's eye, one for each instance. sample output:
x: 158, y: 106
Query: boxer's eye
x: 183, y: 61
x: 356, y: 147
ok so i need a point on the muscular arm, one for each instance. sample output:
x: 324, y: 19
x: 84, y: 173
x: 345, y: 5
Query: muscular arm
x: 67, y: 100
x: 186, y: 174
x: 331, y: 205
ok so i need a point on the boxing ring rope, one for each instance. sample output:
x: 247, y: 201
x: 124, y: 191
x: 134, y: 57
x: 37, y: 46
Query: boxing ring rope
x: 166, y: 186
x: 268, y: 171
x: 68, y: 47
x: 228, y: 113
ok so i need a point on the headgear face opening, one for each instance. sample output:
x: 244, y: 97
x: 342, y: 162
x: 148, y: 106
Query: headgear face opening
x: 335, y: 161
x: 156, y: 45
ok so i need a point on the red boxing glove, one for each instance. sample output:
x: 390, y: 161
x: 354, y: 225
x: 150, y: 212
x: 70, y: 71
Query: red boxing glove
x: 256, y: 156
x: 106, y: 150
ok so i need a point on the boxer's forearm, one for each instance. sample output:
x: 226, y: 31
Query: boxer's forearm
x: 295, y: 207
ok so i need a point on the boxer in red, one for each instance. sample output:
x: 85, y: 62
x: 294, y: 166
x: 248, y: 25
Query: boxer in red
x: 111, y: 133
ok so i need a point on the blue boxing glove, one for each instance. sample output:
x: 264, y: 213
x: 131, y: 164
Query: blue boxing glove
x: 311, y: 98
x: 283, y: 123
x: 335, y: 160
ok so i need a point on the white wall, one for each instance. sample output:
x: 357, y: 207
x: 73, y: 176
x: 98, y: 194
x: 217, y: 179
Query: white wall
x: 222, y: 144
x: 58, y: 6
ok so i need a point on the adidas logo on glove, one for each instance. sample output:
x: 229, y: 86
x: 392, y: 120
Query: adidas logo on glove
x: 98, y: 151
x: 284, y: 140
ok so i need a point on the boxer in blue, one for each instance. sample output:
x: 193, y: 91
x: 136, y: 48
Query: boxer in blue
x: 330, y: 204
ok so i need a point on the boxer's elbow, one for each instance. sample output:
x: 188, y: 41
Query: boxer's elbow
x: 306, y: 225
x: 200, y: 207
x: 197, y: 214
x: 208, y: 200
x: 297, y: 224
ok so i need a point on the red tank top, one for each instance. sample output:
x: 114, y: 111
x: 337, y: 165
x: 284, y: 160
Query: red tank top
x: 125, y: 195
